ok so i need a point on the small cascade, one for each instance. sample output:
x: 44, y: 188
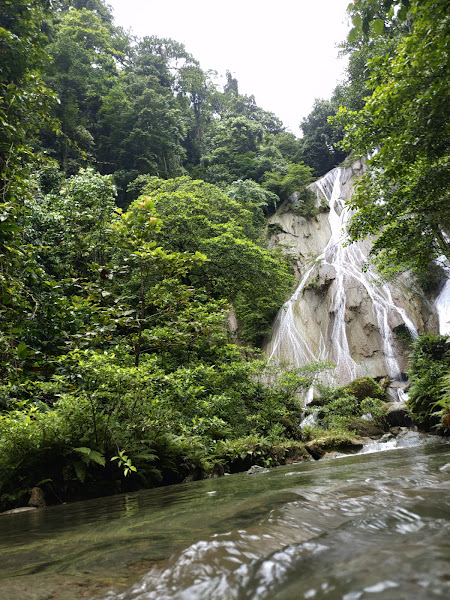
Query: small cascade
x: 321, y: 317
x: 443, y: 308
x: 442, y: 302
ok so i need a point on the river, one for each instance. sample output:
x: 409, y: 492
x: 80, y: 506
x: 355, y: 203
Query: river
x: 368, y: 526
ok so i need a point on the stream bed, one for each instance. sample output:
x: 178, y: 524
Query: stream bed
x: 357, y: 527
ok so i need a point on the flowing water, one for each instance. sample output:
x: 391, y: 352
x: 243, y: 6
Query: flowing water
x: 442, y: 302
x: 352, y: 528
x: 292, y: 339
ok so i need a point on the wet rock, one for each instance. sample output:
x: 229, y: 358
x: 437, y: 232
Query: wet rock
x: 296, y: 455
x: 255, y: 469
x: 398, y: 415
x: 326, y: 274
x: 195, y: 475
x: 395, y: 431
x: 13, y: 511
x: 317, y: 448
x: 315, y: 310
x: 396, y: 390
x: 402, y: 431
x: 37, y: 498
x: 384, y: 382
x: 217, y: 471
x: 369, y: 430
x: 354, y: 297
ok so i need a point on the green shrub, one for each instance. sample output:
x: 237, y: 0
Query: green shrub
x: 103, y: 425
x: 429, y: 372
x: 365, y: 387
x: 241, y: 453
x: 339, y: 407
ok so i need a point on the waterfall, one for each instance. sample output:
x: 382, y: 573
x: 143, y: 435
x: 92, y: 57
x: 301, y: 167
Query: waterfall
x: 442, y: 302
x: 443, y: 307
x: 339, y: 309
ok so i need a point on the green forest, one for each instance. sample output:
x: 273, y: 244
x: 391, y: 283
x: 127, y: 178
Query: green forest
x: 133, y: 225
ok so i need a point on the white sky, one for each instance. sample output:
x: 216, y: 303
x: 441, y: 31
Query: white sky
x: 284, y: 52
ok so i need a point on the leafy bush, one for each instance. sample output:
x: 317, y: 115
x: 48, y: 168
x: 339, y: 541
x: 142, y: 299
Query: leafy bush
x: 306, y: 204
x: 111, y: 426
x: 365, y: 387
x: 340, y: 407
x: 241, y: 453
x: 429, y: 374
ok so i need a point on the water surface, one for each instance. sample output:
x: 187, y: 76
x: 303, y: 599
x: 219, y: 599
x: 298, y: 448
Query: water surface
x: 356, y: 527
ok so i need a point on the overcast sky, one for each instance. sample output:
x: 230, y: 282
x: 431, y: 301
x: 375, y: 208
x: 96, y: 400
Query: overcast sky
x: 284, y: 52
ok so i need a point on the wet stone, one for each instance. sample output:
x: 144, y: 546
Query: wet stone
x: 398, y: 415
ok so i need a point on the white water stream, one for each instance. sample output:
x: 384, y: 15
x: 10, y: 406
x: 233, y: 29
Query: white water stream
x: 442, y: 302
x: 291, y: 340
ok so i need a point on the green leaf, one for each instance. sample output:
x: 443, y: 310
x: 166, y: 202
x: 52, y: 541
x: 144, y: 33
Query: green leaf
x: 80, y: 470
x: 97, y: 458
x: 91, y: 455
x: 23, y: 351
x: 402, y: 13
x: 378, y: 26
x: 357, y: 22
x: 353, y: 35
x: 146, y: 456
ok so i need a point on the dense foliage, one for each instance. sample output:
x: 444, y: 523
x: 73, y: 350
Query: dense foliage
x: 118, y: 367
x: 429, y: 369
x: 403, y: 197
x: 351, y: 406
x: 134, y: 197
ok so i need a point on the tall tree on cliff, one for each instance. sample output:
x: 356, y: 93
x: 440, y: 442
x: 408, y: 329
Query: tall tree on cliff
x: 403, y: 198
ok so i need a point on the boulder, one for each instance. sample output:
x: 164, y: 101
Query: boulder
x: 195, y: 475
x: 318, y: 447
x: 37, y: 498
x: 255, y: 469
x: 397, y: 391
x: 13, y: 511
x: 217, y: 471
x: 368, y: 429
x: 398, y: 415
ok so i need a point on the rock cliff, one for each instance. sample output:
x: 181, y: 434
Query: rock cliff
x: 340, y: 310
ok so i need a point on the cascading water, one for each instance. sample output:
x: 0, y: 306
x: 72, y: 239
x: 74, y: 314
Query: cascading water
x: 443, y: 307
x: 442, y: 302
x: 315, y: 324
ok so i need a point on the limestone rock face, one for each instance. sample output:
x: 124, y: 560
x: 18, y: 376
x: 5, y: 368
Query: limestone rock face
x: 340, y: 310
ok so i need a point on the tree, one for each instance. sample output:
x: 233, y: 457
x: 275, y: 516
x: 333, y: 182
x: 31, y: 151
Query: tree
x: 24, y: 99
x: 377, y: 17
x: 24, y: 108
x: 197, y: 216
x: 63, y: 233
x: 85, y: 49
x: 403, y: 198
x: 294, y: 178
x: 319, y: 144
x: 141, y: 130
x: 255, y: 198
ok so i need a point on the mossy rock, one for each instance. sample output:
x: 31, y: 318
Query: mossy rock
x: 318, y: 447
x: 367, y: 428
